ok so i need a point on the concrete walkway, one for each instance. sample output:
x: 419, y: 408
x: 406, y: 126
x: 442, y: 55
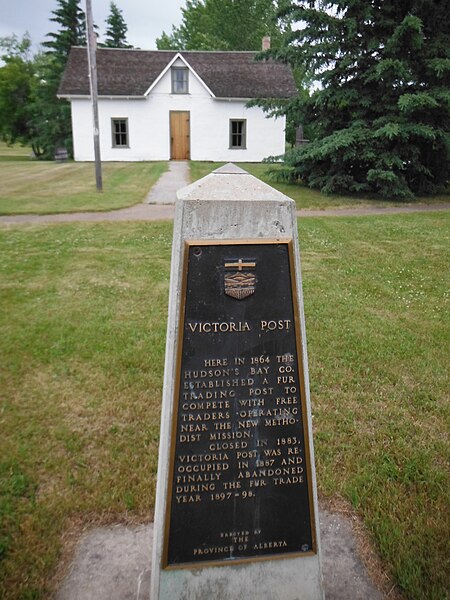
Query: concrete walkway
x: 165, y: 189
x: 114, y: 563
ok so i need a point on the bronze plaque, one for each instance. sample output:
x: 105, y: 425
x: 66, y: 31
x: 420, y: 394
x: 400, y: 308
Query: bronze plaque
x: 240, y: 472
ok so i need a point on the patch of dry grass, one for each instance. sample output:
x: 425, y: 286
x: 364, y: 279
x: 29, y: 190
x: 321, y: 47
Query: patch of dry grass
x: 48, y: 187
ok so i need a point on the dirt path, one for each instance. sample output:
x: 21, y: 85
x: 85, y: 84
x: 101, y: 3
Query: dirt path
x: 373, y: 210
x: 158, y: 212
x: 139, y: 212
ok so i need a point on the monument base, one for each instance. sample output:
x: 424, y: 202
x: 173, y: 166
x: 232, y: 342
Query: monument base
x: 284, y: 579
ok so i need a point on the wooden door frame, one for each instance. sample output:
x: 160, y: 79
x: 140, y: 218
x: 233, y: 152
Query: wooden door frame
x: 188, y: 112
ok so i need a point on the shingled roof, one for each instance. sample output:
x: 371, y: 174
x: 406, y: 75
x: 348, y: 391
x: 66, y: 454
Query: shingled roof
x: 125, y: 72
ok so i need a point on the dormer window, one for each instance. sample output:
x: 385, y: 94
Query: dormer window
x: 180, y: 80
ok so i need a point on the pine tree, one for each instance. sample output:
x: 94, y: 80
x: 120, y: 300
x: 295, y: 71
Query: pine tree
x: 116, y: 31
x: 72, y: 30
x: 51, y: 117
x: 381, y: 117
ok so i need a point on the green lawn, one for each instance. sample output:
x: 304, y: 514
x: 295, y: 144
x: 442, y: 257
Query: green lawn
x: 306, y: 197
x: 83, y: 310
x: 39, y: 187
x: 48, y: 187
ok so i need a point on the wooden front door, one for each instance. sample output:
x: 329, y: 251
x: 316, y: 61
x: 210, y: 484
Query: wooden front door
x: 179, y: 135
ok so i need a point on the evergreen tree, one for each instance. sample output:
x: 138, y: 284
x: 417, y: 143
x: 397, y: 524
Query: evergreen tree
x: 381, y: 116
x: 72, y: 30
x: 50, y: 116
x: 223, y: 25
x: 116, y: 30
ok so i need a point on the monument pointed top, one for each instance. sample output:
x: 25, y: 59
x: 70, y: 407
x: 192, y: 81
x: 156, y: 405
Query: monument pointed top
x: 230, y: 168
x: 236, y: 184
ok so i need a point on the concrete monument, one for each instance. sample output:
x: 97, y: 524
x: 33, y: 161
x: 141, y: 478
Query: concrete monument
x: 236, y: 510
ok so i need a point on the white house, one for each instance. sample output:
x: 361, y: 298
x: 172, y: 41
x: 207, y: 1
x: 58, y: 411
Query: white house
x: 161, y: 105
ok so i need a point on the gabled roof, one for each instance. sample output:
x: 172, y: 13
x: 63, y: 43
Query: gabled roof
x: 125, y: 72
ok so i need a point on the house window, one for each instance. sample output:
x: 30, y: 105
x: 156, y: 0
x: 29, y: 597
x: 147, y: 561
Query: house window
x: 238, y: 133
x: 119, y: 133
x: 180, y: 80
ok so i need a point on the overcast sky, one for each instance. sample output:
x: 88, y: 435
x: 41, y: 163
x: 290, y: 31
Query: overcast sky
x: 146, y: 19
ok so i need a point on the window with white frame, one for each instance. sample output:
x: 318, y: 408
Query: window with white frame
x: 180, y: 80
x: 119, y: 129
x: 238, y: 133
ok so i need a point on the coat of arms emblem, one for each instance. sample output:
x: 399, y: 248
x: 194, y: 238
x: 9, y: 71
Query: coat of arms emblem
x: 240, y: 283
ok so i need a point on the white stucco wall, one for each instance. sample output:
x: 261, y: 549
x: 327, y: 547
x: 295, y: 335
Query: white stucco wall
x: 149, y: 126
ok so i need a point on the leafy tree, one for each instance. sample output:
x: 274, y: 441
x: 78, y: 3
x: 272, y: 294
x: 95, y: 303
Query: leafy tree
x: 116, y: 31
x: 381, y: 116
x: 12, y: 46
x: 16, y: 83
x: 50, y: 117
x: 224, y: 25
